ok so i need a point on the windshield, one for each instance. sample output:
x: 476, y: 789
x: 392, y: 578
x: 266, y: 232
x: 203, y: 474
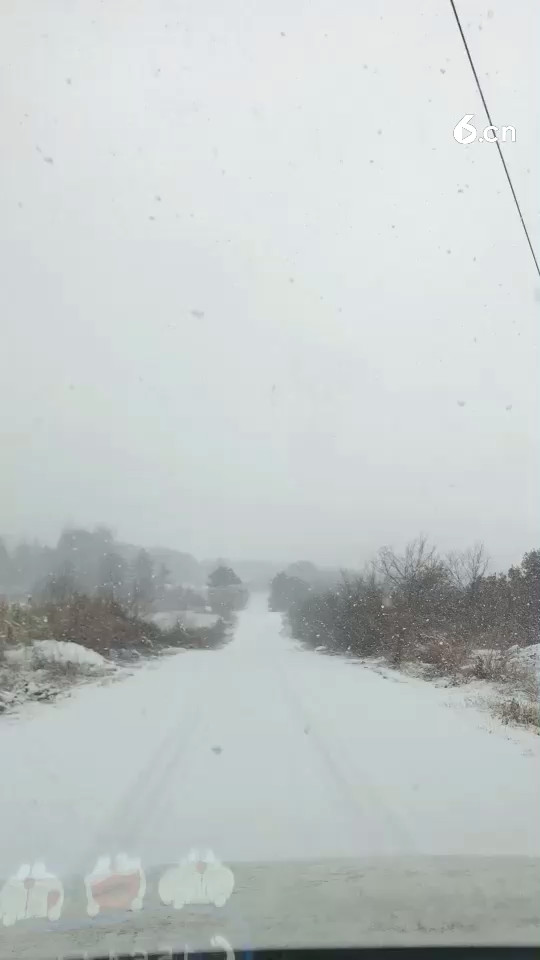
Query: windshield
x: 269, y: 539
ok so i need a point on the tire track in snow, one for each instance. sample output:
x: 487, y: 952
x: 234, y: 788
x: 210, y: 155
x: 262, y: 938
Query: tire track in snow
x: 141, y: 801
x: 376, y: 812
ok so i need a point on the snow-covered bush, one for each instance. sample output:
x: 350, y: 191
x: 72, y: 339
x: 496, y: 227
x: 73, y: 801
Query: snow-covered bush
x: 66, y: 654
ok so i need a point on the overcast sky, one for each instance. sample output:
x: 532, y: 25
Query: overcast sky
x: 256, y: 301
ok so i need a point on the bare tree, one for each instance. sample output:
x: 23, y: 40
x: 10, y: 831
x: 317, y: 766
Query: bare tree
x: 408, y: 568
x: 467, y: 567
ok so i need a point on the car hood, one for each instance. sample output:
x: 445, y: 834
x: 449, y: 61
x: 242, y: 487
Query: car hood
x: 331, y: 903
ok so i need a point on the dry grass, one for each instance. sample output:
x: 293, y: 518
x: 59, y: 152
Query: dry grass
x: 525, y: 713
x: 97, y: 624
x: 20, y: 624
x: 515, y: 683
x: 502, y: 667
x: 443, y: 655
x: 102, y: 625
x: 517, y: 700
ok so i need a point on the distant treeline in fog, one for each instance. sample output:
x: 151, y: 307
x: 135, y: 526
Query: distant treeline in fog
x: 94, y: 563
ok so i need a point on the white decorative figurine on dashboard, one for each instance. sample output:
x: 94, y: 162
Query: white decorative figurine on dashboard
x: 29, y: 893
x: 198, y: 878
x: 115, y: 883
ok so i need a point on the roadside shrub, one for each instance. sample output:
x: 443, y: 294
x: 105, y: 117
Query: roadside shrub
x: 445, y: 655
x: 524, y: 713
x: 21, y: 624
x: 100, y: 624
x: 196, y: 638
x: 443, y: 614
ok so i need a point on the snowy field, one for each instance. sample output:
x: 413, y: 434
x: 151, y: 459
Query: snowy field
x: 189, y: 618
x: 262, y: 751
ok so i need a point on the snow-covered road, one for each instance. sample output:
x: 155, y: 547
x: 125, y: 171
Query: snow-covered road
x: 262, y: 751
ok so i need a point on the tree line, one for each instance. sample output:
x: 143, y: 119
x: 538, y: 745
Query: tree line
x: 86, y: 591
x: 84, y: 562
x: 91, y: 563
x: 417, y: 605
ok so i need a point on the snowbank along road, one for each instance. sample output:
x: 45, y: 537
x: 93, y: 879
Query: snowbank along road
x: 262, y: 751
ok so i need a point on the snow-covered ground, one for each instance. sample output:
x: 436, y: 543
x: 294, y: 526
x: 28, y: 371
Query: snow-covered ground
x: 46, y: 669
x: 262, y: 751
x: 57, y: 652
x: 528, y: 656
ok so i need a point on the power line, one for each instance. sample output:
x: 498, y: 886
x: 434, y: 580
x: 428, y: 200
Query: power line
x: 508, y: 177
